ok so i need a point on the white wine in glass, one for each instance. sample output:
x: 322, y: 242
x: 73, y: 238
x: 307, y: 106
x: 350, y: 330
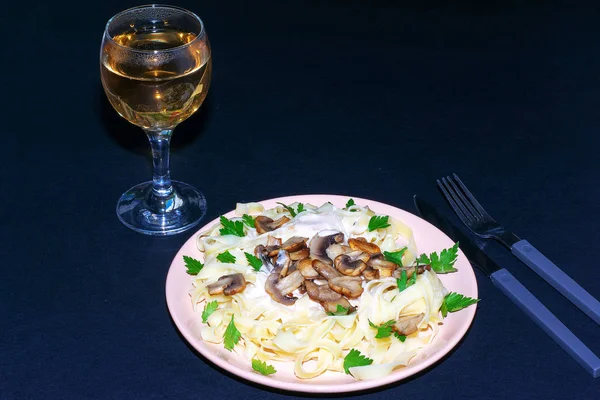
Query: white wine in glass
x: 155, y: 65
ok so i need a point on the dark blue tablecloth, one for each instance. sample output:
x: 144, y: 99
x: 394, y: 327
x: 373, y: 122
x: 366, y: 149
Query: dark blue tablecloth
x: 370, y: 99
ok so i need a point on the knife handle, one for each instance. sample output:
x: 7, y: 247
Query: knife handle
x: 557, y: 278
x: 528, y: 303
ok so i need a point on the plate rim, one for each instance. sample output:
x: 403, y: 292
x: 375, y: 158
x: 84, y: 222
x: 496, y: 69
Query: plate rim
x: 308, y: 386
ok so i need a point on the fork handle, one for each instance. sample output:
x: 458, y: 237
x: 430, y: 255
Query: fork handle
x: 535, y: 310
x: 557, y: 278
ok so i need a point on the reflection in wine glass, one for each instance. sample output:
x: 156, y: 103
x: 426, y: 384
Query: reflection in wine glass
x: 155, y: 66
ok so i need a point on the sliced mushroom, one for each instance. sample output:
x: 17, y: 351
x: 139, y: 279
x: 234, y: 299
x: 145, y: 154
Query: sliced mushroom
x: 325, y: 270
x: 410, y: 270
x: 385, y: 268
x: 351, y: 264
x: 273, y: 241
x: 349, y: 286
x: 294, y: 243
x: 331, y: 306
x: 336, y: 249
x: 370, y: 273
x: 407, y: 325
x: 319, y: 244
x: 361, y: 244
x: 321, y: 293
x: 275, y: 293
x: 283, y: 262
x: 227, y: 285
x: 265, y: 224
x: 262, y: 254
x: 290, y: 283
x: 301, y: 254
x: 306, y: 269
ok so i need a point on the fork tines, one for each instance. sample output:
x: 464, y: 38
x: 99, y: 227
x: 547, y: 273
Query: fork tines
x: 462, y: 200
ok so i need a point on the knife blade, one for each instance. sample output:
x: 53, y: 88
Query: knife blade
x: 513, y: 289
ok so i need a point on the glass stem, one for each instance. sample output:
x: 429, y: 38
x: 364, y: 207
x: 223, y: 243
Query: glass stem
x: 160, y: 142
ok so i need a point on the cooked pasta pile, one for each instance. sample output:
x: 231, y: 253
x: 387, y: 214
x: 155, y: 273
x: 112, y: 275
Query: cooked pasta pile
x: 304, y: 333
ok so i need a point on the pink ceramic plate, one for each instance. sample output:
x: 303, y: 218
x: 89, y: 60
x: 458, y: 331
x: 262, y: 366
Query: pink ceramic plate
x: 428, y: 239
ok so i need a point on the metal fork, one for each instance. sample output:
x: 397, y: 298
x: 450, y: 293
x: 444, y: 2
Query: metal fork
x: 474, y: 216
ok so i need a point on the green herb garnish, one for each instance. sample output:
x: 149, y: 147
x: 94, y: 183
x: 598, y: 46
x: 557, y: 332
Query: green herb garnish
x: 193, y: 266
x: 248, y: 220
x: 341, y: 310
x: 232, y: 335
x: 442, y: 263
x: 253, y: 261
x: 355, y: 359
x: 262, y: 367
x: 454, y: 302
x: 378, y: 222
x: 226, y: 257
x: 231, y: 227
x: 209, y: 308
x: 384, y: 330
x: 395, y: 256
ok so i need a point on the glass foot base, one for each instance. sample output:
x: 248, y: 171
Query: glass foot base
x: 139, y: 209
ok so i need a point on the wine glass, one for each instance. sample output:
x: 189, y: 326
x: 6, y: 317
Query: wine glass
x: 155, y: 64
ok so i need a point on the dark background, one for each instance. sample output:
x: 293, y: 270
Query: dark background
x: 368, y: 99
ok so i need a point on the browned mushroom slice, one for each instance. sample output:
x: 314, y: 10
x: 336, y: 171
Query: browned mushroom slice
x: 319, y: 244
x: 273, y: 241
x: 410, y: 270
x: 408, y: 324
x: 332, y: 306
x: 321, y: 293
x: 306, y: 269
x: 385, y: 268
x: 290, y: 283
x: 301, y: 254
x: 294, y: 243
x: 336, y: 249
x: 265, y: 224
x: 361, y: 244
x: 261, y: 253
x: 325, y: 270
x: 370, y: 273
x: 349, y: 286
x: 274, y: 292
x: 351, y: 264
x: 227, y: 285
x: 283, y: 262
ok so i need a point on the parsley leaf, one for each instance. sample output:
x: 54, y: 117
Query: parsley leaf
x: 226, y: 257
x: 232, y: 335
x: 378, y: 222
x: 402, y: 281
x: 400, y: 337
x: 341, y: 310
x: 413, y: 277
x: 193, y: 266
x: 454, y: 302
x: 350, y: 203
x: 248, y: 220
x: 254, y: 261
x: 355, y: 359
x: 290, y: 209
x: 384, y: 330
x: 395, y: 256
x: 231, y: 227
x: 262, y: 367
x: 442, y: 263
x: 300, y: 208
x: 209, y: 308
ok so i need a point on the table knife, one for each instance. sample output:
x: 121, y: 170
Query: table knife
x: 513, y: 289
